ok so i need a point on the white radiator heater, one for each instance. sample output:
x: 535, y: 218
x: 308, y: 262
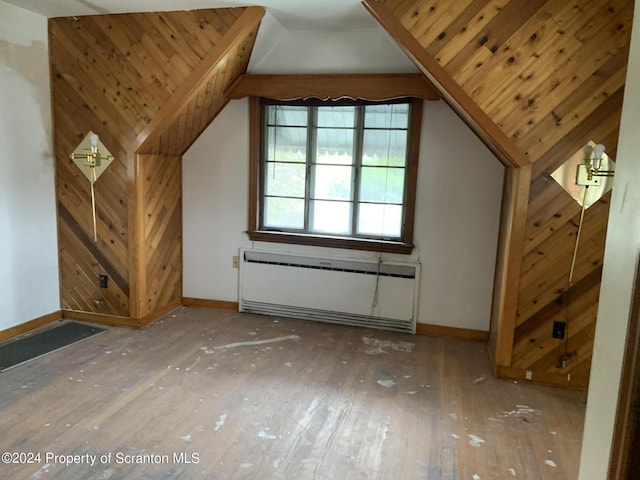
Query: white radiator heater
x: 337, y: 290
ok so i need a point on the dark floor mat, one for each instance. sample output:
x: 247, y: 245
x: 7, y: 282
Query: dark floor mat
x: 19, y: 351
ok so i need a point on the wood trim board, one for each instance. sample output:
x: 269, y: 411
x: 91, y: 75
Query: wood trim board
x: 30, y: 325
x: 205, y: 303
x: 421, y: 328
x: 543, y: 378
x: 384, y: 86
x: 509, y: 262
x: 101, y: 319
x: 625, y: 446
x: 444, y: 331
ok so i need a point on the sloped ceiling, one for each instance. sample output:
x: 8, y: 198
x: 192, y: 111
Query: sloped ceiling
x: 539, y: 70
x: 538, y: 79
x: 284, y: 22
x: 291, y: 14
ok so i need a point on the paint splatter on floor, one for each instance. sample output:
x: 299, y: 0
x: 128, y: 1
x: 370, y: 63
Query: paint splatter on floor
x: 476, y: 476
x: 266, y: 436
x: 45, y: 469
x: 380, y: 346
x: 475, y: 441
x: 551, y: 463
x: 386, y: 383
x: 522, y: 412
x: 189, y: 368
x: 480, y: 379
x: 294, y: 338
x: 220, y: 422
x: 512, y: 471
x: 328, y: 423
x: 186, y: 438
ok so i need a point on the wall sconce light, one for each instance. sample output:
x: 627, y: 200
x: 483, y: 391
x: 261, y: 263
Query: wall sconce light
x: 587, y: 177
x: 92, y: 158
x: 596, y: 165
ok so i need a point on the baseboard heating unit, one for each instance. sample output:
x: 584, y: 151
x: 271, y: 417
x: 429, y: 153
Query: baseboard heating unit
x: 338, y: 290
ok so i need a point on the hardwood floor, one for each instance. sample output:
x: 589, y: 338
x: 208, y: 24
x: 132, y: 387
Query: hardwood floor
x: 216, y: 394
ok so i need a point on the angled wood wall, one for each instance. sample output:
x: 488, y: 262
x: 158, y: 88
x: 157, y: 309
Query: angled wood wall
x: 550, y: 75
x: 148, y: 84
x: 159, y: 242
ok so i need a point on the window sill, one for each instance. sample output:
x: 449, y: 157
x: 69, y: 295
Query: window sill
x: 383, y: 246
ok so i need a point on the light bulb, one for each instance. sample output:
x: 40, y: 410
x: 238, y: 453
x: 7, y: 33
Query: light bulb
x: 598, y: 150
x: 94, y: 139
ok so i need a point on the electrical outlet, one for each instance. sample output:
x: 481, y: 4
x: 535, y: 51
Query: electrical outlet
x: 559, y: 329
x: 236, y: 261
x: 104, y: 281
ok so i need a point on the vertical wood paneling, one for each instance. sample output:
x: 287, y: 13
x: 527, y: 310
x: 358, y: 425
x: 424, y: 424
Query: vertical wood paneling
x: 551, y: 76
x: 114, y: 75
x: 161, y: 236
x: 503, y: 315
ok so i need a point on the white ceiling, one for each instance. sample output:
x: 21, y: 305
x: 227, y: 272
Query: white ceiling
x: 291, y: 14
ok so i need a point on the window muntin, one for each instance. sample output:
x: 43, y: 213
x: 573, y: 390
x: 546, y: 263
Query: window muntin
x: 335, y: 170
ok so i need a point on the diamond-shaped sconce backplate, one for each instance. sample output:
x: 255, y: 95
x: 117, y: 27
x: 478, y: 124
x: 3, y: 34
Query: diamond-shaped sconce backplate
x: 82, y: 154
x: 566, y: 175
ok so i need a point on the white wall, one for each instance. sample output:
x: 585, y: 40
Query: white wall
x: 326, y: 51
x: 215, y: 176
x: 456, y: 225
x: 621, y: 255
x: 28, y: 244
x: 457, y: 221
x: 458, y: 203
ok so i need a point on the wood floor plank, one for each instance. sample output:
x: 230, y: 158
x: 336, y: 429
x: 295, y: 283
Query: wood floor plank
x: 247, y: 396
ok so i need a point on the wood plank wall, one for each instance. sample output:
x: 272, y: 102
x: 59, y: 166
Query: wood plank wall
x: 160, y: 249
x: 152, y: 80
x: 551, y: 76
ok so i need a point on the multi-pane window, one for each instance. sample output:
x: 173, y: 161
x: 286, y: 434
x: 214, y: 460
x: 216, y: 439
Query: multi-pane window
x: 337, y: 169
